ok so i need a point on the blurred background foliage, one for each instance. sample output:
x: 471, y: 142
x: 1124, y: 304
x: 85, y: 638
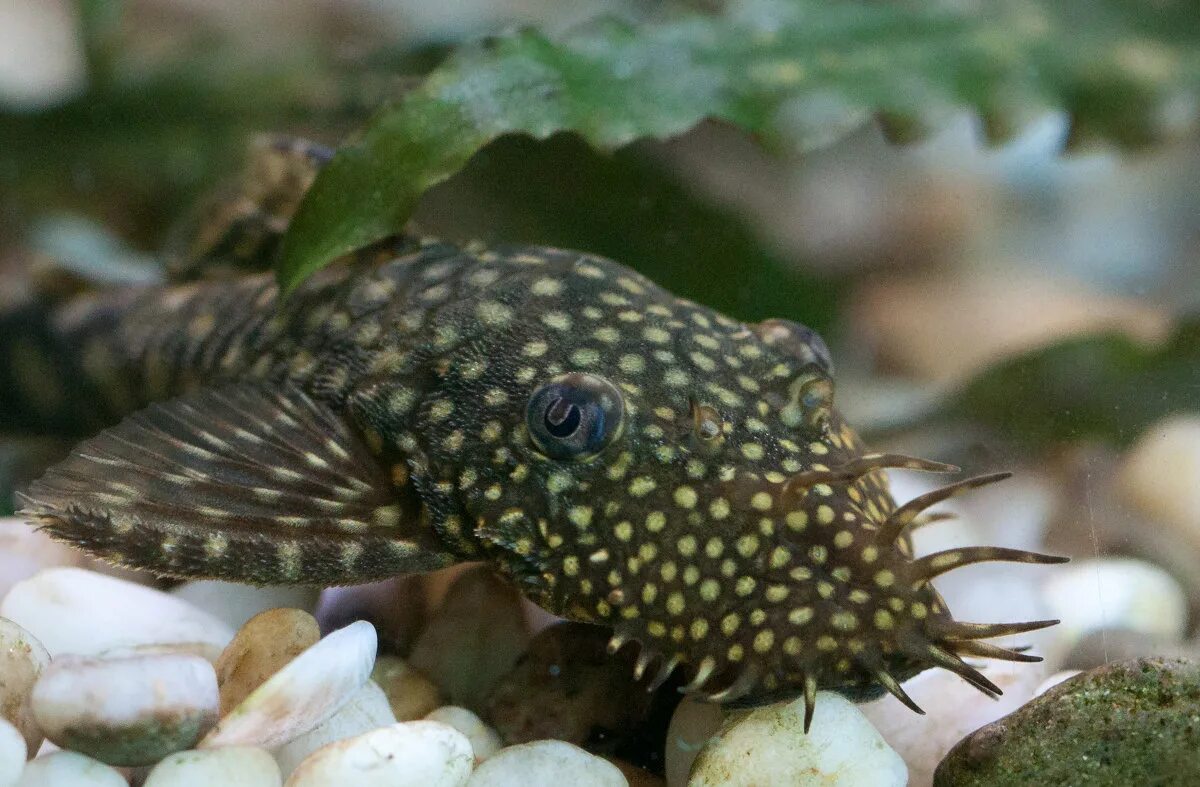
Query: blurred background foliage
x: 1022, y: 271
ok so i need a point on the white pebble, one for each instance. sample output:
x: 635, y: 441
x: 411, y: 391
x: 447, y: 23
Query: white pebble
x: 302, y: 695
x: 407, y: 754
x: 693, y: 724
x: 12, y: 754
x: 127, y: 711
x: 69, y: 769
x: 546, y: 764
x: 25, y: 551
x: 1159, y: 474
x: 367, y: 710
x: 485, y: 741
x: 22, y: 659
x: 235, y: 603
x: 768, y: 746
x: 1114, y: 593
x: 953, y: 709
x: 232, y: 766
x: 74, y: 611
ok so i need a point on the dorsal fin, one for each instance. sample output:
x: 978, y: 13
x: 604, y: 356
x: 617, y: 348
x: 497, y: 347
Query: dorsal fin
x: 239, y: 483
x: 238, y: 229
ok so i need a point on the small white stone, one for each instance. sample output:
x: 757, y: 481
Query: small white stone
x: 953, y: 709
x: 485, y: 741
x: 231, y: 766
x: 367, y: 710
x: 74, y: 611
x: 1159, y: 474
x: 407, y: 754
x: 22, y: 659
x: 1054, y: 680
x: 12, y: 754
x: 546, y: 764
x: 693, y: 724
x: 302, y: 695
x: 1114, y: 593
x: 69, y: 769
x: 769, y: 746
x: 128, y: 711
x: 235, y: 603
x: 25, y: 551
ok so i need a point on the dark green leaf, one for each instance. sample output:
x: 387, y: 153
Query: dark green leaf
x: 1105, y: 387
x: 804, y: 70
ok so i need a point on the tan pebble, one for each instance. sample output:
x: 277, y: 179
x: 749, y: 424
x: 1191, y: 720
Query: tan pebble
x: 308, y: 691
x: 473, y: 639
x: 262, y: 647
x: 485, y: 741
x: 22, y: 659
x: 411, y: 694
x: 637, y: 777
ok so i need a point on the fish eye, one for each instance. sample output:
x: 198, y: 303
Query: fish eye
x: 801, y: 341
x: 575, y: 416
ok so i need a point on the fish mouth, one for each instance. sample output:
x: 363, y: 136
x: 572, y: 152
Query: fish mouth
x: 920, y: 632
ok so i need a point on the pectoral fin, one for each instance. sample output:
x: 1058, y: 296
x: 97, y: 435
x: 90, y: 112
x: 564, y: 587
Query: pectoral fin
x: 239, y: 483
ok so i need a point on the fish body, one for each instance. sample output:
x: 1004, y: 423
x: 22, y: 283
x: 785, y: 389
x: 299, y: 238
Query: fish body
x: 628, y: 458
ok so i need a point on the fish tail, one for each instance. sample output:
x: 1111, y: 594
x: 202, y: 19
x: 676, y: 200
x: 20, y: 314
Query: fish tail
x: 42, y: 389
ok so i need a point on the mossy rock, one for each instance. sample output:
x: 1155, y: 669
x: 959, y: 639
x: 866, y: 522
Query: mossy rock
x: 1132, y: 722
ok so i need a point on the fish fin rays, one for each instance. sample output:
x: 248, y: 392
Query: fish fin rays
x: 241, y: 483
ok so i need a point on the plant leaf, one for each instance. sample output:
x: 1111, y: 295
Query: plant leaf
x: 803, y: 70
x: 1104, y: 387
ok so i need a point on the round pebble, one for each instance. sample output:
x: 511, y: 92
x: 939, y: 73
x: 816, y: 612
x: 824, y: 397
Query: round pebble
x: 128, y: 711
x: 262, y: 647
x: 1114, y: 593
x: 367, y: 710
x: 1158, y: 475
x: 74, y: 611
x: 302, y: 695
x: 768, y: 745
x: 408, y: 754
x: 12, y: 754
x: 25, y: 551
x: 69, y: 769
x: 22, y: 659
x: 693, y: 724
x: 474, y: 638
x: 485, y: 741
x: 232, y: 766
x: 546, y: 764
x: 411, y: 694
